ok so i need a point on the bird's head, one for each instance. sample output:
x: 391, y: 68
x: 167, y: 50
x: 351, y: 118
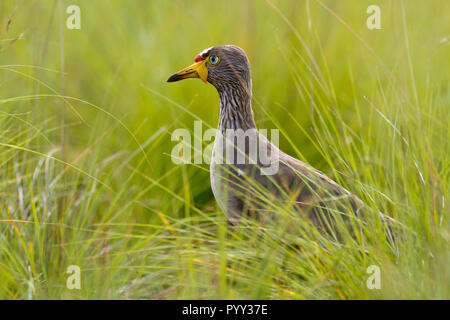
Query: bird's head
x: 222, y: 66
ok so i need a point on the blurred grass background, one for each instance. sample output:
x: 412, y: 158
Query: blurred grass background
x: 85, y: 124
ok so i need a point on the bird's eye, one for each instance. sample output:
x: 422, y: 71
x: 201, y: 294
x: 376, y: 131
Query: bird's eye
x: 214, y: 60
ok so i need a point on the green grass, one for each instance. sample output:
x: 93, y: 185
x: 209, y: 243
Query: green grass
x: 85, y: 171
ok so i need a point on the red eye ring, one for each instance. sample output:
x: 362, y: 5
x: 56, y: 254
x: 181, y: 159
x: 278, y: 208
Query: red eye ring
x: 199, y: 58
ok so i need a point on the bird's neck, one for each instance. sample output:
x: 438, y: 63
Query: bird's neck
x: 235, y: 108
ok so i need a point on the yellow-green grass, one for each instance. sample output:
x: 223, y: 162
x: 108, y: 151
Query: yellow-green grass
x: 86, y: 176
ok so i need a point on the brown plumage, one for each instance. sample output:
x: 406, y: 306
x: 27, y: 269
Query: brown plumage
x: 243, y: 188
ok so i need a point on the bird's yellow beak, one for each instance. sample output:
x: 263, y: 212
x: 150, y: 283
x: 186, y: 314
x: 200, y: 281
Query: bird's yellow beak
x: 197, y: 70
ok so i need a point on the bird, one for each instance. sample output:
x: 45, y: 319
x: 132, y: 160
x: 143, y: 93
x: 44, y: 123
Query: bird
x: 243, y: 188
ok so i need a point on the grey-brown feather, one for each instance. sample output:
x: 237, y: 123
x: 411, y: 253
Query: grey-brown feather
x: 241, y: 188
